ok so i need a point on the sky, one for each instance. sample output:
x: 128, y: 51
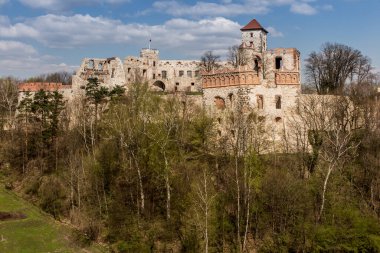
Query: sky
x: 43, y: 36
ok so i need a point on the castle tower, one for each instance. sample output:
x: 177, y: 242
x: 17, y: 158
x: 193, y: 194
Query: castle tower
x: 254, y: 36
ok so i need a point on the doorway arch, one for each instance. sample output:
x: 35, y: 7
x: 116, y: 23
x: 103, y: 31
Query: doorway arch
x: 159, y: 84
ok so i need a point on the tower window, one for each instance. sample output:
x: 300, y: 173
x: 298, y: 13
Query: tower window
x: 192, y: 84
x: 163, y: 74
x: 278, y: 101
x: 278, y: 62
x: 154, y: 76
x: 113, y: 73
x: 154, y: 64
x: 181, y: 72
x: 251, y: 44
x: 144, y: 72
x: 196, y: 73
x: 177, y: 84
x: 189, y: 73
x: 251, y: 35
x: 129, y: 70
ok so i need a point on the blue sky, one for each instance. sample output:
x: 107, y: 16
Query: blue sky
x: 41, y: 36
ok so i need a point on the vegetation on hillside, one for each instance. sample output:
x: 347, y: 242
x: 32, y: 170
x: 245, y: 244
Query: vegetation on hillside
x: 148, y: 173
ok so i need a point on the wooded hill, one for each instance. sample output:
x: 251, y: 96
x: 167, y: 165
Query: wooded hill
x: 144, y: 173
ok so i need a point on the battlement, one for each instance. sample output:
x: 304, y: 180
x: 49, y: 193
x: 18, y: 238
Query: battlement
x: 36, y: 86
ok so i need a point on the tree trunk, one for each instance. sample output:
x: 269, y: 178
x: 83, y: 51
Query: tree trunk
x: 167, y: 185
x: 331, y: 167
x: 206, y: 210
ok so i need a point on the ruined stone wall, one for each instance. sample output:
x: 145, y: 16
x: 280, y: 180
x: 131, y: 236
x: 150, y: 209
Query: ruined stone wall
x: 163, y: 75
x: 109, y: 71
x: 32, y: 88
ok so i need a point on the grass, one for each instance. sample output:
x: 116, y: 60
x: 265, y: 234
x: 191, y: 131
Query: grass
x: 38, y: 233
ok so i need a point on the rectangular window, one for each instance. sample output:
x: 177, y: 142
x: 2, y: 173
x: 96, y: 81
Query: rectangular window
x: 192, y: 84
x: 129, y: 70
x: 278, y: 102
x: 278, y: 62
x: 113, y: 73
x: 181, y: 73
x: 144, y: 72
x: 154, y: 64
x: 260, y: 101
x: 163, y: 73
x: 154, y: 76
x: 177, y: 84
x: 196, y: 73
x: 189, y: 73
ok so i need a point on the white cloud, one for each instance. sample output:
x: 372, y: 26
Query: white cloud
x: 273, y: 32
x: 185, y: 36
x: 55, y: 5
x: 3, y: 2
x: 303, y: 8
x: 11, y: 48
x: 23, y: 60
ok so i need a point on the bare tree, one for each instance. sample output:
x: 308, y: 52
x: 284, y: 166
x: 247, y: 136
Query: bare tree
x: 237, y: 56
x: 8, y: 100
x: 336, y: 64
x: 329, y: 123
x: 209, y: 61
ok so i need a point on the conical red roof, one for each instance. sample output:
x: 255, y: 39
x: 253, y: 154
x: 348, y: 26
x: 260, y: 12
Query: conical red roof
x: 253, y: 25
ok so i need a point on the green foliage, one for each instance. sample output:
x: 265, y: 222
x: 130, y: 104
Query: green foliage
x: 139, y: 170
x: 52, y: 196
x: 351, y: 232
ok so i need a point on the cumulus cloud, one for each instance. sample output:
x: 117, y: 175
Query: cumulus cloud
x: 273, y: 32
x: 23, y: 60
x: 228, y: 8
x: 11, y: 48
x: 55, y: 5
x: 303, y: 8
x: 186, y: 36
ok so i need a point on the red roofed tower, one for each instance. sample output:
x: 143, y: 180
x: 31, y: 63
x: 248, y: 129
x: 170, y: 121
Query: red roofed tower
x: 254, y: 36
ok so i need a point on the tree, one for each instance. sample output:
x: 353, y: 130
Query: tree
x: 209, y: 61
x: 56, y: 77
x: 237, y: 56
x: 336, y: 65
x: 8, y: 101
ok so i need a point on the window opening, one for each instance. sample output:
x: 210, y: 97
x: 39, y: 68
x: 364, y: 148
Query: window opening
x: 278, y: 62
x: 278, y: 102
